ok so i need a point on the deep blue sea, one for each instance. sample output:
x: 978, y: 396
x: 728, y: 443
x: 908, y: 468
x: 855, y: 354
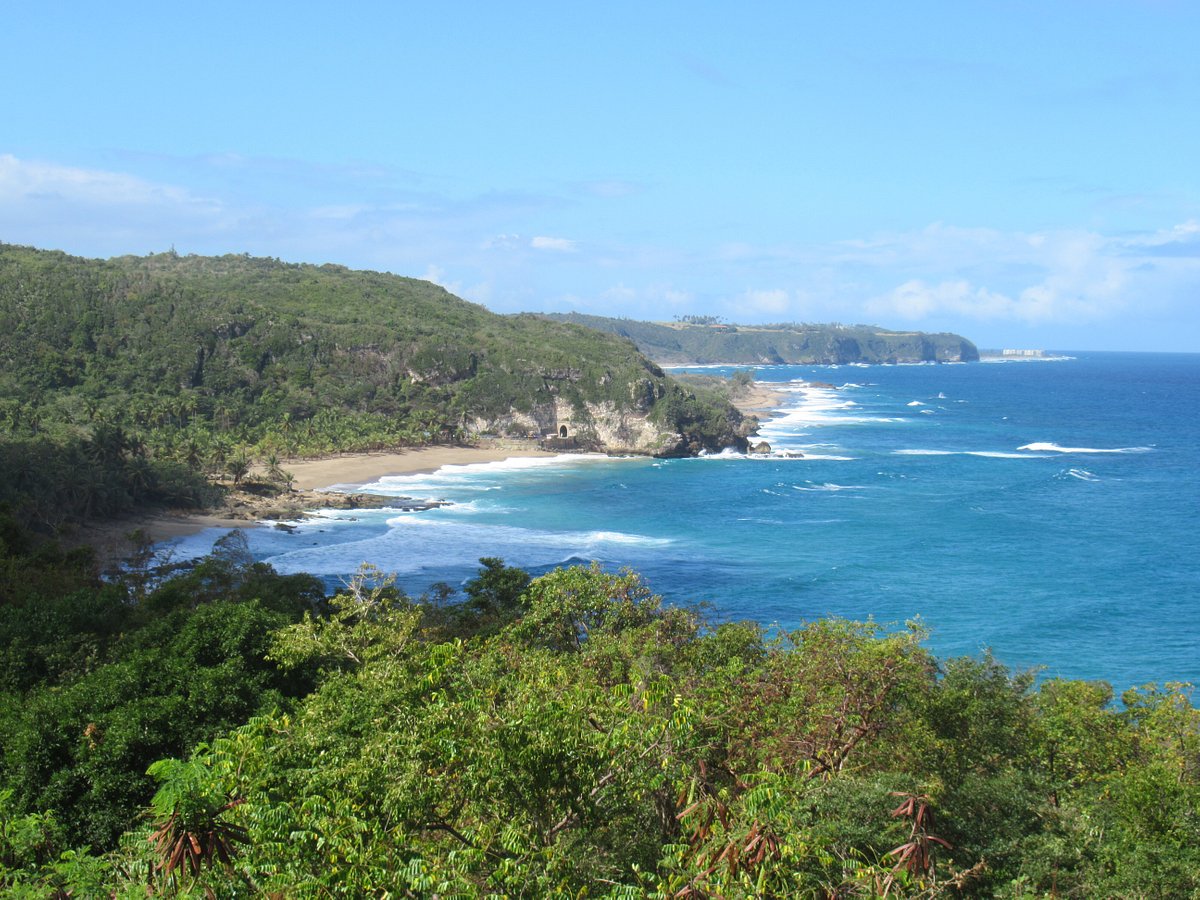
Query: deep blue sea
x: 1048, y: 509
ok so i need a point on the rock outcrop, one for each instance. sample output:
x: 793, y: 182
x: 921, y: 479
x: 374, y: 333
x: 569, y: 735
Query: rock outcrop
x: 611, y: 428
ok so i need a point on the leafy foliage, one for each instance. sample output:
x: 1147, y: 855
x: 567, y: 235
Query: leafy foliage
x: 99, y: 683
x: 571, y: 736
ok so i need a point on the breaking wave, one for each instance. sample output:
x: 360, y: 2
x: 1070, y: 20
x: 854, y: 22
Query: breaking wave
x: 1050, y: 447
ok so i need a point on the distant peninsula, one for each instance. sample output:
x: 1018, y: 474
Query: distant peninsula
x: 706, y: 340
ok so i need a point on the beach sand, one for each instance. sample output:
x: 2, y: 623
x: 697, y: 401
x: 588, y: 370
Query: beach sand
x: 363, y: 468
x: 759, y: 399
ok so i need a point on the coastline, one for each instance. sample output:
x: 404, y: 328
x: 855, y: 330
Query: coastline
x: 313, y: 479
x: 357, y: 469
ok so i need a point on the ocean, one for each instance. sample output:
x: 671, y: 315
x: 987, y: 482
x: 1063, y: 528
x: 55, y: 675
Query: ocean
x: 1046, y: 509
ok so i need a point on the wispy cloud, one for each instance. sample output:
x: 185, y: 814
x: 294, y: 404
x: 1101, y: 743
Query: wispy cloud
x: 502, y: 242
x: 98, y: 212
x: 32, y: 183
x: 557, y: 244
x: 1034, y: 278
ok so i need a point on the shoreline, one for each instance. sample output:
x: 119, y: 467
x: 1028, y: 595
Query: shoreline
x: 356, y: 469
x: 314, y: 478
x: 759, y: 397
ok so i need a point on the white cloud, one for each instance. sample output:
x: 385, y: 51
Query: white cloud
x: 96, y: 212
x: 675, y: 297
x: 916, y: 300
x: 437, y: 275
x: 557, y: 244
x: 1067, y: 276
x: 1065, y: 295
x: 22, y: 181
x: 502, y: 242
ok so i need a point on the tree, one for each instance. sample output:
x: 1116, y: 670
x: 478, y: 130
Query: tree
x: 494, y: 595
x: 567, y: 606
x: 237, y: 467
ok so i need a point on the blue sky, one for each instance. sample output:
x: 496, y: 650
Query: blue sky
x: 1026, y: 174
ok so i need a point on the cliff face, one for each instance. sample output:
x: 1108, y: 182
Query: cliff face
x: 610, y: 428
x: 681, y: 343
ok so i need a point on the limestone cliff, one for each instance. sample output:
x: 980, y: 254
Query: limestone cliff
x: 609, y: 427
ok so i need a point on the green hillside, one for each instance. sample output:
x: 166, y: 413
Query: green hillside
x: 710, y: 341
x: 195, y: 360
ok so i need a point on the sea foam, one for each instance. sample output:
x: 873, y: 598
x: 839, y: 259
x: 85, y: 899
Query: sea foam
x: 1055, y: 448
x: 986, y: 454
x: 827, y: 487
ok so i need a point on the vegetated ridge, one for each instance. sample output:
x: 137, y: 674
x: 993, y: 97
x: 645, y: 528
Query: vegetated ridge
x: 198, y: 361
x: 707, y: 340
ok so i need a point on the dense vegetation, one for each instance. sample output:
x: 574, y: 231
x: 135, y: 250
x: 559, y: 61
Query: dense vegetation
x: 124, y: 381
x: 704, y: 339
x: 568, y: 736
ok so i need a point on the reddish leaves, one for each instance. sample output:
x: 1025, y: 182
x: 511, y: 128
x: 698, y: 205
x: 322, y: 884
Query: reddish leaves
x: 187, y: 847
x: 914, y: 856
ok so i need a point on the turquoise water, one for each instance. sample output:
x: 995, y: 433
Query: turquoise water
x: 1046, y: 509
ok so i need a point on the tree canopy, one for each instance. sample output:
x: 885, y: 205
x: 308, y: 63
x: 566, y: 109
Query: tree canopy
x: 564, y: 736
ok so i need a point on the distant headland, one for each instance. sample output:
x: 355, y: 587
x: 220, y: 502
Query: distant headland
x: 706, y: 340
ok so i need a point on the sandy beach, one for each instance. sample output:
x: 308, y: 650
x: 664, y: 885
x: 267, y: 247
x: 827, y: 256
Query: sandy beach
x: 363, y: 468
x: 312, y: 478
x: 759, y: 399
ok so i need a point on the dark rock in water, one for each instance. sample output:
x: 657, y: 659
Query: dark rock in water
x: 362, y: 501
x: 302, y: 503
x: 376, y: 501
x: 407, y: 504
x: 761, y: 447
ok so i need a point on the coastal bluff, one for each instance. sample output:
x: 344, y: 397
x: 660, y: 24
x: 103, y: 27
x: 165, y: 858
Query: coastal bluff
x: 708, y: 342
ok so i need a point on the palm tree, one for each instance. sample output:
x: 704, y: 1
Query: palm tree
x: 218, y: 455
x: 275, y: 471
x: 237, y: 467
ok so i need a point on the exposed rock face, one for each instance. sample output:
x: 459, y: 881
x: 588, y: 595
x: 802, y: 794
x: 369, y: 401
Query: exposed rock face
x: 601, y: 427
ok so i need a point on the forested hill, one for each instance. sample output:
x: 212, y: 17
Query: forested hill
x: 194, y: 358
x: 705, y: 340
